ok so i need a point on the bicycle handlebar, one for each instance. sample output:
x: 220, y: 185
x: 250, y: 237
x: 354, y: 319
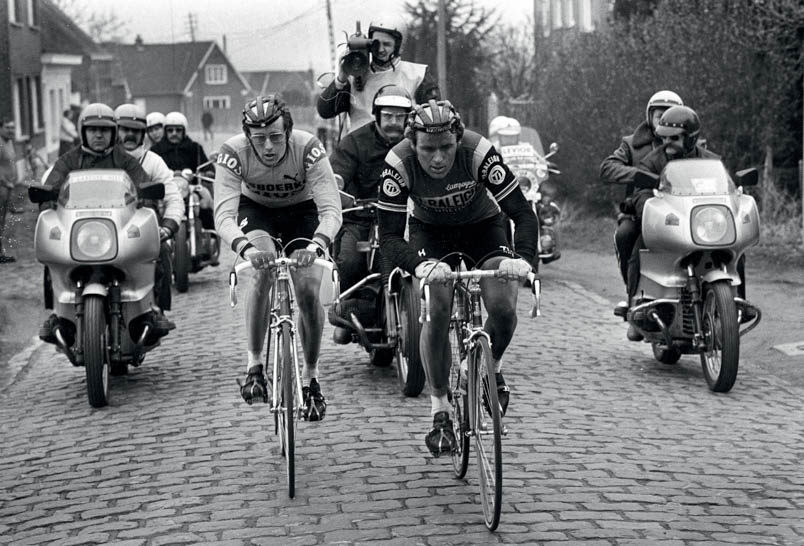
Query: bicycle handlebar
x: 477, y: 274
x: 278, y: 261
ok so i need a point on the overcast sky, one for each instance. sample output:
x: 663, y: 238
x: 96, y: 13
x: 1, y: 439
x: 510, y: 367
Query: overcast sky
x: 268, y: 34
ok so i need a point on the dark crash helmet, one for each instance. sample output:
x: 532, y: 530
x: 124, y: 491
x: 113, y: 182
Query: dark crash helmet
x: 434, y: 117
x: 388, y: 29
x: 680, y: 120
x: 97, y: 115
x: 263, y: 111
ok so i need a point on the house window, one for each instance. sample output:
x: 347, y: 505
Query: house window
x: 33, y: 13
x: 37, y: 115
x: 27, y: 97
x: 16, y: 13
x: 217, y: 103
x: 215, y: 74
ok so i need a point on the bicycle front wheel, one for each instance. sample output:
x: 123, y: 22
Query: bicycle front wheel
x: 488, y: 433
x: 287, y: 406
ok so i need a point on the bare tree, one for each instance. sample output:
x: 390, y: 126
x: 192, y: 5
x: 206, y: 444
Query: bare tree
x: 101, y: 27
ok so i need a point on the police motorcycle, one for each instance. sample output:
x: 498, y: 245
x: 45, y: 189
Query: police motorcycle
x: 381, y: 310
x: 193, y: 246
x: 532, y: 170
x: 695, y: 230
x: 100, y: 246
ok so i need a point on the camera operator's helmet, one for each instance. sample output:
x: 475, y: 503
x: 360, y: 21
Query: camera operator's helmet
x: 390, y: 95
x: 153, y: 119
x: 263, y: 111
x: 661, y: 99
x: 511, y: 127
x: 390, y: 30
x: 434, y: 117
x: 176, y: 119
x: 96, y: 115
x: 131, y: 116
x: 680, y: 120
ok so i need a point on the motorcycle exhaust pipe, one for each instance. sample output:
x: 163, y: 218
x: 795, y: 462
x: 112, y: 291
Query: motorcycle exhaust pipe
x: 63, y: 346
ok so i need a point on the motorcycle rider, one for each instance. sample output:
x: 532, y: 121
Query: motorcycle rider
x: 99, y: 150
x: 155, y: 127
x: 273, y: 179
x: 504, y: 131
x: 620, y: 167
x: 358, y: 161
x: 354, y: 94
x: 131, y: 127
x: 458, y: 184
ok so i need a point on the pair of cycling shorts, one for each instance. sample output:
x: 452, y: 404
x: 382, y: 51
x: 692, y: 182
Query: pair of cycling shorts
x: 478, y: 242
x: 284, y: 223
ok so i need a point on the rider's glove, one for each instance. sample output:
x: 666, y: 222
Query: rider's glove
x: 306, y: 256
x: 514, y: 269
x: 260, y: 259
x: 165, y: 233
x: 433, y: 272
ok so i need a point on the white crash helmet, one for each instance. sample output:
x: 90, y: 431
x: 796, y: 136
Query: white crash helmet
x: 176, y: 119
x: 503, y: 125
x: 154, y: 118
x: 662, y: 99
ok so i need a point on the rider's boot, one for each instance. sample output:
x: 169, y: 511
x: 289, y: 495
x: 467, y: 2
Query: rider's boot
x: 161, y: 324
x: 315, y: 405
x: 441, y: 439
x: 621, y: 309
x: 47, y: 332
x: 255, y: 386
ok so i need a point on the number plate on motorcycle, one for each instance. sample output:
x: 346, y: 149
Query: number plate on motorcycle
x: 85, y: 213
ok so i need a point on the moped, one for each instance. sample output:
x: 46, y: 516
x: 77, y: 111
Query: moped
x: 533, y: 169
x: 694, y: 231
x: 194, y: 246
x: 100, y: 246
x: 381, y: 311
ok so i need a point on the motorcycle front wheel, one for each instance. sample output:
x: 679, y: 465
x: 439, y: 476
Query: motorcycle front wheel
x: 94, y: 345
x: 181, y: 259
x: 721, y: 335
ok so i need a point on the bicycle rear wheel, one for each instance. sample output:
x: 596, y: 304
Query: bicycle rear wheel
x: 458, y: 396
x: 488, y: 433
x: 287, y: 406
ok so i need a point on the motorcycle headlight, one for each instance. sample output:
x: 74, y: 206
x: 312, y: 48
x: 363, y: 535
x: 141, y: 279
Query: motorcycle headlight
x: 712, y: 225
x: 541, y: 172
x: 93, y: 240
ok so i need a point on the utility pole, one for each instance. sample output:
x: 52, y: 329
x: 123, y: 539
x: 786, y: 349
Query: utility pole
x: 334, y: 67
x: 192, y: 21
x: 442, y: 48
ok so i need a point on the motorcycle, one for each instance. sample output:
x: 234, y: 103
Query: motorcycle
x: 193, y: 247
x: 532, y: 171
x: 381, y: 310
x: 100, y: 247
x: 695, y: 230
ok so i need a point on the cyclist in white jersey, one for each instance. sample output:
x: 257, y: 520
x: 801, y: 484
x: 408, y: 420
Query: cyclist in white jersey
x: 273, y: 179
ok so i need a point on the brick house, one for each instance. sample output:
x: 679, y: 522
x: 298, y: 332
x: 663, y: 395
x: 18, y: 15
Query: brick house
x: 188, y: 77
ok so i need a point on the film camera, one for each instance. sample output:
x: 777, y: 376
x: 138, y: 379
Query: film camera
x: 359, y: 52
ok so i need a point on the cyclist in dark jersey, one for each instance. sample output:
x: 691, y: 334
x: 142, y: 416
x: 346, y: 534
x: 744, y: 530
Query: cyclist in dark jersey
x: 458, y: 185
x: 277, y: 180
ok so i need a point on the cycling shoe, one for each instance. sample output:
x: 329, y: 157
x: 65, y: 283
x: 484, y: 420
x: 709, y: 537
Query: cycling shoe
x: 315, y: 405
x: 255, y: 387
x: 442, y: 438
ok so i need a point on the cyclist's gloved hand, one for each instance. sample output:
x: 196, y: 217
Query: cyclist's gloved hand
x: 165, y: 233
x: 260, y: 259
x: 514, y: 269
x: 306, y: 256
x: 433, y: 272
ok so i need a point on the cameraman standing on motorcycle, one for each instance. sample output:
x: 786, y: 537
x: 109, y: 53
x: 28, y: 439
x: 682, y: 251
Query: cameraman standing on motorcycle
x: 620, y: 167
x: 358, y: 161
x: 273, y: 179
x: 131, y: 126
x: 354, y: 93
x: 99, y: 150
x: 458, y: 184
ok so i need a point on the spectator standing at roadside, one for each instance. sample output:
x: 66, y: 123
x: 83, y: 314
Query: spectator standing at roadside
x: 68, y: 134
x: 206, y: 123
x: 8, y: 178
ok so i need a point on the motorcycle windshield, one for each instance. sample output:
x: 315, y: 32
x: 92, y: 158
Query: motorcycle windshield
x: 97, y: 189
x: 696, y: 177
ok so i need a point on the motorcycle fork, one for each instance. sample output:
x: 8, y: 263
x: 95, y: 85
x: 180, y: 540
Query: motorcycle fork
x: 79, y: 324
x: 191, y: 224
x: 694, y: 288
x: 115, y: 320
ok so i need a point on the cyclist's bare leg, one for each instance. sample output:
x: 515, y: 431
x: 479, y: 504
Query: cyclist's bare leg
x: 434, y: 346
x: 499, y: 300
x: 307, y: 282
x: 258, y: 312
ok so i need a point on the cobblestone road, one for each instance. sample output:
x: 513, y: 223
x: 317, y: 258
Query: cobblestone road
x: 605, y: 446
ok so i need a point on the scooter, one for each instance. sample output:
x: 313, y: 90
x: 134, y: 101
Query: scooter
x: 381, y: 310
x: 100, y: 247
x: 193, y: 247
x: 695, y: 230
x: 533, y: 170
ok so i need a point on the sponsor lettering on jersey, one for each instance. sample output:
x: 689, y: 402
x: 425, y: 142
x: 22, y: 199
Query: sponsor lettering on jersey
x: 492, y: 160
x: 279, y: 190
x: 497, y: 175
x: 460, y: 185
x: 451, y: 202
x: 390, y: 172
x: 391, y: 188
x: 314, y: 154
x: 230, y: 161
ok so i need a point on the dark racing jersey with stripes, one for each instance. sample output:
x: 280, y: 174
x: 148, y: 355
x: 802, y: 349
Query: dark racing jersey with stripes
x: 469, y: 193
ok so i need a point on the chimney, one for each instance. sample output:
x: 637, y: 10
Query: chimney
x: 138, y: 43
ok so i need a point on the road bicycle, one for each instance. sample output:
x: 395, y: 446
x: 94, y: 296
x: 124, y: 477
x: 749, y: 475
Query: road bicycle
x: 283, y: 354
x: 476, y: 413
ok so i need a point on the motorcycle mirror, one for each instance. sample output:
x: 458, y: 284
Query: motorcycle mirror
x: 187, y: 173
x: 152, y: 191
x: 554, y: 147
x: 42, y: 194
x: 324, y: 80
x: 645, y: 179
x: 747, y: 177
